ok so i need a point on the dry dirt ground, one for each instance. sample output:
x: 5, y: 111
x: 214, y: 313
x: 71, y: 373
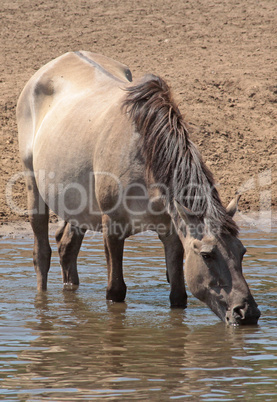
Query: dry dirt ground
x: 218, y: 56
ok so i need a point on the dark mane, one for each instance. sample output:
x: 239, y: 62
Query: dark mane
x: 170, y: 156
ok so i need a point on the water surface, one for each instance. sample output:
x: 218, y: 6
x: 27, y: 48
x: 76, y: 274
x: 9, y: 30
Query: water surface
x: 75, y: 346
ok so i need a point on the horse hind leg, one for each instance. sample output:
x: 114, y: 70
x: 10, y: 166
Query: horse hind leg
x: 69, y: 240
x: 39, y: 217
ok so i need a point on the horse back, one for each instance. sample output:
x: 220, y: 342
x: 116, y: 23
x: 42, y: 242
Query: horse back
x: 67, y: 76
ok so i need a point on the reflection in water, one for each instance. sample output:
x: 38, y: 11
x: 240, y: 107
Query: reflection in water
x: 76, y: 346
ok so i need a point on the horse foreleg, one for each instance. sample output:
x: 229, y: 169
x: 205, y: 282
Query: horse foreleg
x: 69, y: 239
x: 174, y: 256
x: 39, y: 216
x: 114, y: 246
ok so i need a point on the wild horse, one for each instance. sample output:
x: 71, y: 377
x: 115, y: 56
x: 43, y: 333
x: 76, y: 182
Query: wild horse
x: 109, y: 155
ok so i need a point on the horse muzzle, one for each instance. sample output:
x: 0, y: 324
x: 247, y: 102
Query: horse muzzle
x: 243, y: 314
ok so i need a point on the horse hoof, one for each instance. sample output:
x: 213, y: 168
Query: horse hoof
x: 70, y: 286
x: 116, y: 296
x: 180, y: 306
x: 178, y: 301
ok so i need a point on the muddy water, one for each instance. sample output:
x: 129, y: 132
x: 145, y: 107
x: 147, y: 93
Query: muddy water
x: 65, y: 346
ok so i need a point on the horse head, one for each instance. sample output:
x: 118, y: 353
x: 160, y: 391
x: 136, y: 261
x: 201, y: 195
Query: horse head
x: 213, y: 268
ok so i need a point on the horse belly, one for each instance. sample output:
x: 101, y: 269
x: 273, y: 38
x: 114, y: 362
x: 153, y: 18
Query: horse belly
x: 71, y: 197
x: 63, y: 169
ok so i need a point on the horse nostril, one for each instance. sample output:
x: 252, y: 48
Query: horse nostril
x: 245, y: 314
x: 239, y: 312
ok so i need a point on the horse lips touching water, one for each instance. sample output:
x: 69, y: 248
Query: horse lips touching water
x: 108, y: 155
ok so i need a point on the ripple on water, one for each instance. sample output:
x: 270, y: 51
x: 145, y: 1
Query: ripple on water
x: 75, y: 346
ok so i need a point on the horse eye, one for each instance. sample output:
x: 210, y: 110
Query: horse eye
x: 206, y: 256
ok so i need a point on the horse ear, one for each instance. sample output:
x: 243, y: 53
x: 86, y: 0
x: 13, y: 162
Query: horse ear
x: 193, y: 225
x: 186, y: 214
x: 183, y: 212
x: 233, y: 206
